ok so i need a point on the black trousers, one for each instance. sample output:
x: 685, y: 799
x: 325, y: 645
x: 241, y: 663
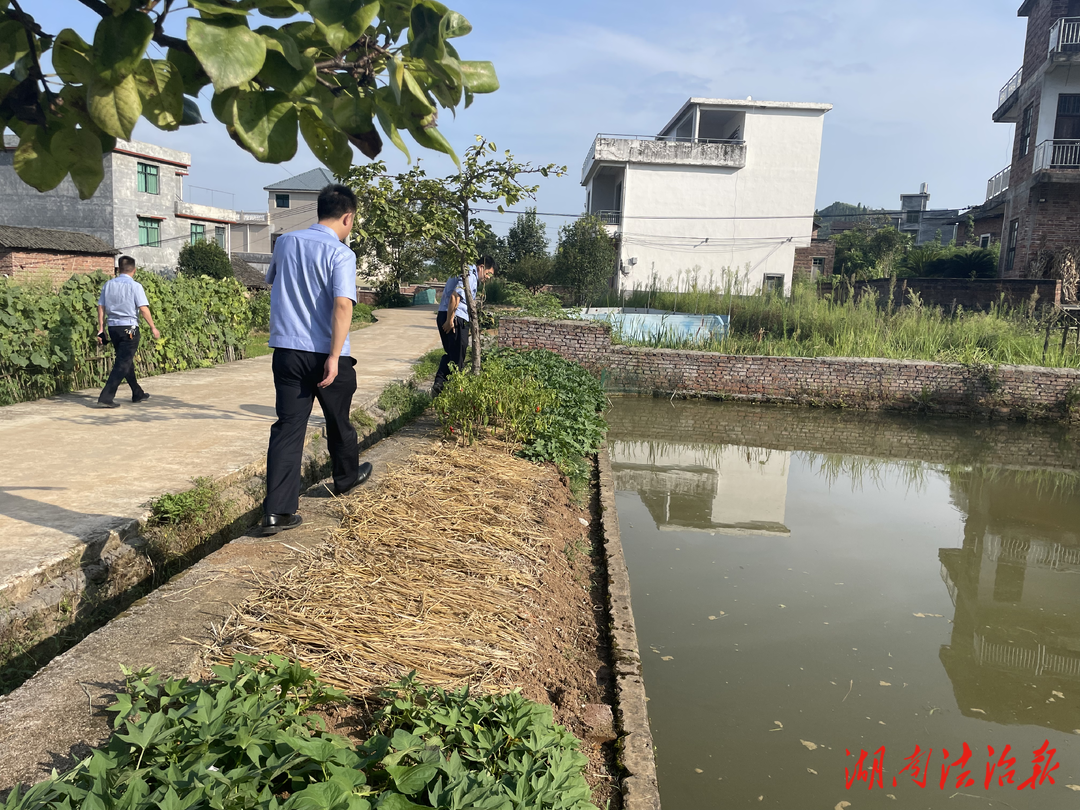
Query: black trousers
x: 124, y: 365
x: 455, y: 345
x: 297, y: 375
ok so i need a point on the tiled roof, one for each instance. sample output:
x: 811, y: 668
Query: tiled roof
x: 48, y: 239
x: 248, y: 275
x: 314, y: 180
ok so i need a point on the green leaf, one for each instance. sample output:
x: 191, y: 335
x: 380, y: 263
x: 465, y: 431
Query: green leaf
x: 118, y: 6
x: 69, y: 57
x: 229, y: 51
x: 454, y: 25
x: 278, y: 73
x: 411, y: 779
x: 192, y: 113
x: 209, y: 8
x: 395, y: 801
x: 80, y: 151
x: 479, y: 77
x: 119, y: 43
x: 280, y: 41
x: 35, y: 164
x: 391, y: 129
x: 425, y: 32
x: 13, y: 42
x: 265, y: 122
x: 279, y: 9
x: 191, y: 71
x: 431, y: 138
x: 328, y: 143
x: 114, y: 109
x: 162, y: 92
x: 343, y: 22
x: 353, y: 112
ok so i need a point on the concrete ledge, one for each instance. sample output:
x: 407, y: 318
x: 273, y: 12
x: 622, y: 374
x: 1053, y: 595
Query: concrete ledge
x: 639, y: 786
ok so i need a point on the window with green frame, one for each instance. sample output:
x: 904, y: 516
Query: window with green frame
x: 149, y: 232
x: 198, y: 232
x: 148, y: 178
x: 219, y: 235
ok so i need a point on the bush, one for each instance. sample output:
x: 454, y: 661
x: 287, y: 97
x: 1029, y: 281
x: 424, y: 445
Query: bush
x: 204, y: 258
x: 48, y: 340
x: 533, y: 272
x: 248, y: 739
x: 362, y: 313
x: 259, y: 309
x: 549, y: 406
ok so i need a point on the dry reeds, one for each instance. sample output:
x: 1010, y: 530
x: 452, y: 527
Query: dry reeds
x: 428, y: 572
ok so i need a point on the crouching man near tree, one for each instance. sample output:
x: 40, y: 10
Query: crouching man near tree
x: 122, y: 301
x: 313, y: 278
x: 453, y: 320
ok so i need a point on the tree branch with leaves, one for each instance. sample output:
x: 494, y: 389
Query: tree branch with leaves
x: 330, y: 71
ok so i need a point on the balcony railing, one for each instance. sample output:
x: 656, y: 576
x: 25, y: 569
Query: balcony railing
x: 1057, y: 155
x: 1010, y: 87
x: 665, y: 149
x: 1065, y: 36
x: 998, y: 183
x: 609, y: 217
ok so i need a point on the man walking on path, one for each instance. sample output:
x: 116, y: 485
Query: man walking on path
x: 453, y: 320
x: 313, y: 278
x: 122, y: 300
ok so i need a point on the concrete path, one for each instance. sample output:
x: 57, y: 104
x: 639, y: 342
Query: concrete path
x: 73, y: 472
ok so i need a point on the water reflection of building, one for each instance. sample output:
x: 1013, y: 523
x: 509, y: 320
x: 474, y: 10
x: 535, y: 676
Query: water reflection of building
x: 734, y: 490
x: 1016, y: 587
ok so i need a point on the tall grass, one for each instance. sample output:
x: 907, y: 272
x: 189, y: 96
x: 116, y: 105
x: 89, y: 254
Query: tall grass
x: 808, y: 325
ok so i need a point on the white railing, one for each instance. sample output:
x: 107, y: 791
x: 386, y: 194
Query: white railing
x: 998, y: 183
x: 1065, y: 35
x: 1057, y: 155
x: 253, y: 216
x: 1011, y: 87
x: 609, y: 217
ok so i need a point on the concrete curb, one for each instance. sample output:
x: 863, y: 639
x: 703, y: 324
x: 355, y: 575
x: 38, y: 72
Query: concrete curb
x: 639, y: 787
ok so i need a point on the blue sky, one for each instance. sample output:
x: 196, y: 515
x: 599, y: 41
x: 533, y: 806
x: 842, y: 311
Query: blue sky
x: 913, y: 85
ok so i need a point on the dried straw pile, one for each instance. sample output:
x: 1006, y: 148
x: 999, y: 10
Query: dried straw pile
x: 429, y: 571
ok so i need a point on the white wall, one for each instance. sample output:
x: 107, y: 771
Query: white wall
x: 1055, y: 83
x: 779, y: 180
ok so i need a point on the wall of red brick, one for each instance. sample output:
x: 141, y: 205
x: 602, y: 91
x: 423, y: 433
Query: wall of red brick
x: 54, y: 267
x: 1004, y: 391
x: 970, y: 294
x: 991, y: 225
x: 819, y: 248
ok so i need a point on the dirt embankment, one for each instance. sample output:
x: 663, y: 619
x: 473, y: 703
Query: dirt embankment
x: 467, y: 565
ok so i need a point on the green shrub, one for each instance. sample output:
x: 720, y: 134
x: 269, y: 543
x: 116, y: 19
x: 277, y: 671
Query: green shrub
x: 552, y: 407
x: 48, y: 339
x: 248, y: 740
x: 190, y: 506
x: 202, y: 258
x: 259, y: 307
x: 362, y: 313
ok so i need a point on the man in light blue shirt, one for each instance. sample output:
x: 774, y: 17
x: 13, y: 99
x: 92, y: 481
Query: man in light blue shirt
x: 121, y: 302
x: 313, y: 278
x: 453, y: 320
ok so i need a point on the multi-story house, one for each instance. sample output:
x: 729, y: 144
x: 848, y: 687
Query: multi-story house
x: 139, y: 208
x: 1042, y: 186
x: 922, y: 224
x: 725, y: 192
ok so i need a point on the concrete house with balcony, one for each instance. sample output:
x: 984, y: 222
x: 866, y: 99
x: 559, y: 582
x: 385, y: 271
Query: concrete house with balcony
x: 139, y: 208
x: 725, y: 191
x: 1041, y: 187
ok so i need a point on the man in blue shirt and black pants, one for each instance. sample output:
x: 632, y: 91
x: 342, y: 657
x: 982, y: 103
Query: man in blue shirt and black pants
x: 453, y: 320
x: 313, y: 278
x: 122, y: 300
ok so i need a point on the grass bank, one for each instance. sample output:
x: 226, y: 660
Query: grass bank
x: 808, y: 325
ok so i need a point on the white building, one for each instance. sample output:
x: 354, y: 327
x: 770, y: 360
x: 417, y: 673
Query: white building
x: 139, y: 208
x: 725, y: 191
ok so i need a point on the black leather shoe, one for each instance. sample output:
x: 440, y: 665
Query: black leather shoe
x: 363, y: 475
x: 272, y: 524
x: 140, y: 397
x: 108, y: 404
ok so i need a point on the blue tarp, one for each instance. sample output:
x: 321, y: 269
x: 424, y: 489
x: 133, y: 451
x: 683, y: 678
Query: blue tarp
x: 653, y: 325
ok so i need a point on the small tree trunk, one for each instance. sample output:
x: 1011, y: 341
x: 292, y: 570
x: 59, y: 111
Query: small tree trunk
x: 470, y: 301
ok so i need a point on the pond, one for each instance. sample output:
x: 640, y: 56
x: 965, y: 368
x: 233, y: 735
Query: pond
x: 835, y: 607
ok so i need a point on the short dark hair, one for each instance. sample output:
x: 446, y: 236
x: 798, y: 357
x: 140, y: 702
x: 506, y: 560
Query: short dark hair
x: 124, y: 263
x: 335, y: 201
x: 487, y: 261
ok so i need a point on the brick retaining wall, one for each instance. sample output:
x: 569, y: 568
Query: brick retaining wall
x: 1003, y: 391
x: 970, y: 294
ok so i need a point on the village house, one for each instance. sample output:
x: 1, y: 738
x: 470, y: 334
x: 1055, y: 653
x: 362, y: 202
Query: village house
x: 922, y: 224
x: 817, y: 260
x: 1042, y: 186
x: 290, y: 206
x: 725, y: 192
x: 139, y: 208
x: 44, y: 254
